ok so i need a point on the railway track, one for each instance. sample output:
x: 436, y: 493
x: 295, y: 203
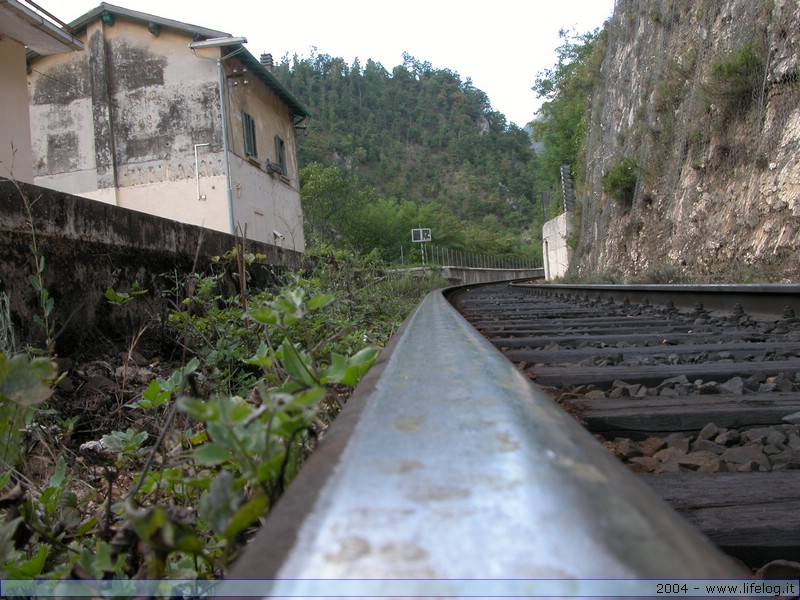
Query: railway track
x: 451, y: 473
x: 696, y: 389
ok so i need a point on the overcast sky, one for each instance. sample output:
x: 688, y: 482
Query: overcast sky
x: 500, y: 44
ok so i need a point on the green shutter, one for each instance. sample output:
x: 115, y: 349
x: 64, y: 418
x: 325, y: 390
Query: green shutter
x: 280, y: 153
x: 249, y: 129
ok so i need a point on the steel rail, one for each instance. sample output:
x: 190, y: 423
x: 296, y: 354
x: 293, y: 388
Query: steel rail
x: 447, y: 464
x: 754, y: 299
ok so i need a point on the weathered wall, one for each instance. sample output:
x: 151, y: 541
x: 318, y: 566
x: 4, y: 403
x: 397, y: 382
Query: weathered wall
x: 124, y: 115
x: 556, y: 251
x: 15, y: 137
x: 61, y: 124
x: 168, y: 102
x: 90, y: 246
x: 718, y: 192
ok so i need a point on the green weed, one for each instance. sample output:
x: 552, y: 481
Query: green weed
x: 211, y: 446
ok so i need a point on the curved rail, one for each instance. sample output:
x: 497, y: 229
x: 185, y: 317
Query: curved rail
x: 448, y: 467
x: 756, y: 299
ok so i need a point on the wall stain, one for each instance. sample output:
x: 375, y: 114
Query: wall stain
x: 62, y: 152
x: 60, y: 117
x: 151, y: 146
x: 101, y: 110
x: 135, y: 67
x: 63, y: 84
x: 131, y: 175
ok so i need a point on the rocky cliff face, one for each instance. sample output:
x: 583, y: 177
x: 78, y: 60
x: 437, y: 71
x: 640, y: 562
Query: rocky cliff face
x: 703, y: 98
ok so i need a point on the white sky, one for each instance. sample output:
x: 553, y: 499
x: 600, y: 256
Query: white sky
x: 500, y: 44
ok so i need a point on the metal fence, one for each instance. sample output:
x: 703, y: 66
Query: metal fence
x: 429, y: 254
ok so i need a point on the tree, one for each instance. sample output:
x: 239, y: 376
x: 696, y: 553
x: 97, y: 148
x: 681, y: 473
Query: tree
x: 566, y: 88
x: 416, y: 134
x: 332, y: 203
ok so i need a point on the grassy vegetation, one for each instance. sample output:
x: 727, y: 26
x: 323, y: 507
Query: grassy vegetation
x: 656, y: 274
x: 195, y: 452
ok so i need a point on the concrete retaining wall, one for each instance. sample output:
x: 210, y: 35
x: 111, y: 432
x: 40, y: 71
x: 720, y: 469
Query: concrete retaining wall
x: 468, y: 275
x: 556, y: 251
x: 90, y: 246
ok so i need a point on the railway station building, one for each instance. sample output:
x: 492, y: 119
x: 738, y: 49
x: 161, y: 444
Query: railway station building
x: 171, y: 119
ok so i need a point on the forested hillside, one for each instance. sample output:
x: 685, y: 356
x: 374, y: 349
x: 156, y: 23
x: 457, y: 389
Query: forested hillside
x: 388, y: 151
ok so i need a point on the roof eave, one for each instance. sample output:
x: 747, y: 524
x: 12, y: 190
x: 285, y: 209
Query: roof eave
x: 298, y: 110
x: 201, y: 32
x: 35, y: 31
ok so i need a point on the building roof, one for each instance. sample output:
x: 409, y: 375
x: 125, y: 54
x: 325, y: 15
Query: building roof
x: 271, y: 82
x: 197, y: 33
x: 81, y: 22
x: 33, y: 30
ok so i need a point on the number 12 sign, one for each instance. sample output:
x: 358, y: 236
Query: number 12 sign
x: 420, y: 235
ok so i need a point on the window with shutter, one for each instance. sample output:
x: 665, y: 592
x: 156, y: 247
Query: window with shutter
x: 280, y: 153
x: 249, y: 128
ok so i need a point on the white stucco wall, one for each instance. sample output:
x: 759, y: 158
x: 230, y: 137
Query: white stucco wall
x: 177, y: 200
x: 556, y: 252
x: 266, y: 205
x: 266, y: 202
x: 16, y: 158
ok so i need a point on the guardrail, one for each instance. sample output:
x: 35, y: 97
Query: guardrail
x: 430, y: 254
x: 448, y: 470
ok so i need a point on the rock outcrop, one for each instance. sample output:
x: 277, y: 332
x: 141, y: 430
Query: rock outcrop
x: 703, y: 97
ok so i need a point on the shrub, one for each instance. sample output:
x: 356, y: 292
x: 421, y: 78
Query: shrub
x: 735, y: 81
x: 619, y: 181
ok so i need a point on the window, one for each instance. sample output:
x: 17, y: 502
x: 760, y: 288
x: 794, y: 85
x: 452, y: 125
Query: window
x: 249, y: 128
x: 280, y: 152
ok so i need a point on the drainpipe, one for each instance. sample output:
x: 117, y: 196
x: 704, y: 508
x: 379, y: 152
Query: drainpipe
x: 227, y: 163
x: 221, y: 42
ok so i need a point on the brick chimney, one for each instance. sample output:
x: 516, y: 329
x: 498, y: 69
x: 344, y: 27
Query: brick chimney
x: 266, y: 60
